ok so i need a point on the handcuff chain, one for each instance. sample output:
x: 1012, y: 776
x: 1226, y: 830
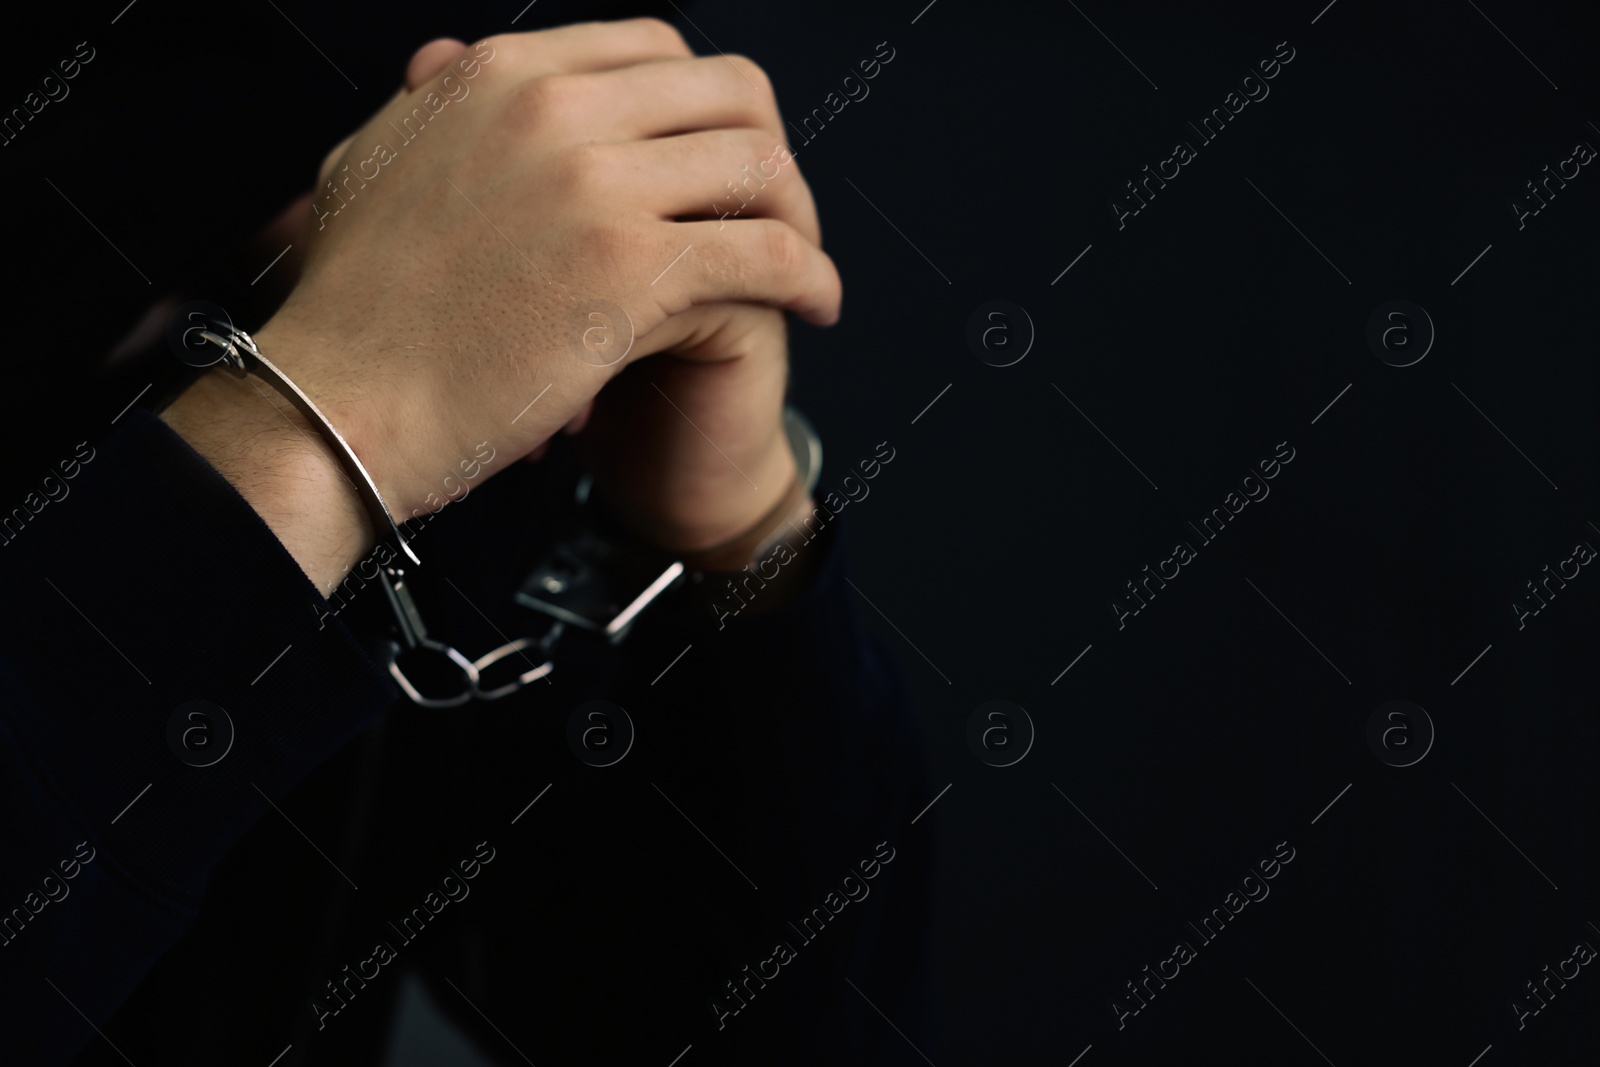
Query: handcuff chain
x: 239, y: 351
x: 472, y: 670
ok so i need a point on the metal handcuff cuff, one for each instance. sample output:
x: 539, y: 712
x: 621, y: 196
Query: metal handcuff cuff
x: 588, y: 582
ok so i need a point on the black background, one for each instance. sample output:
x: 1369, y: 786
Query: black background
x: 1227, y: 715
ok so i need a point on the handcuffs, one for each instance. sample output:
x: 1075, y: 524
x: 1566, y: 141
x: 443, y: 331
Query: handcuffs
x: 593, y: 582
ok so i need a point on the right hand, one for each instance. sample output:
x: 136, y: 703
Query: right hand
x: 423, y: 323
x: 428, y: 319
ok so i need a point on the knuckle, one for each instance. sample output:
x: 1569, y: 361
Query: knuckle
x: 752, y: 72
x: 545, y: 99
x: 782, y: 249
x: 496, y: 45
x: 607, y: 239
x: 771, y: 158
x: 585, y: 166
x: 616, y: 249
x: 663, y: 34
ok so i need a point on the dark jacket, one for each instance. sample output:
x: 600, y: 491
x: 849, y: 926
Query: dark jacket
x: 204, y: 914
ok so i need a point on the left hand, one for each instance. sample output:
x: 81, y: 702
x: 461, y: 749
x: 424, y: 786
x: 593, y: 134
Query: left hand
x: 688, y: 446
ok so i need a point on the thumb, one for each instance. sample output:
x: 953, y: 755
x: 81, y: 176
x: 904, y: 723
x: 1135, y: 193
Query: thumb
x: 430, y: 61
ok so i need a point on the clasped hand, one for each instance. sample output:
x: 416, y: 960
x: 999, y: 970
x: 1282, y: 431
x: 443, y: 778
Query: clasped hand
x: 505, y: 193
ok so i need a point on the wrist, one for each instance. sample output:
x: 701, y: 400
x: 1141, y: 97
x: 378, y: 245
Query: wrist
x: 282, y: 467
x: 699, y: 512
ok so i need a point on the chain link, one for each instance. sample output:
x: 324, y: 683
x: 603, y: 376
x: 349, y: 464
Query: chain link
x: 472, y: 670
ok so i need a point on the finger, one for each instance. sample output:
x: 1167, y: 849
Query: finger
x: 591, y: 46
x: 430, y: 60
x: 723, y: 174
x: 427, y: 63
x: 761, y: 261
x: 737, y: 330
x: 673, y: 96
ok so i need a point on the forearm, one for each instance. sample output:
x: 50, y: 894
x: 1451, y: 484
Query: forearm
x: 151, y: 586
x: 282, y: 466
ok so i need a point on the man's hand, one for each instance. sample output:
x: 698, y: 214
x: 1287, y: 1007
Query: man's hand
x: 689, y: 447
x: 472, y: 223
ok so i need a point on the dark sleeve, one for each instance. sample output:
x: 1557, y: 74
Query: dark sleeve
x: 807, y: 754
x: 773, y: 776
x: 149, y: 584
